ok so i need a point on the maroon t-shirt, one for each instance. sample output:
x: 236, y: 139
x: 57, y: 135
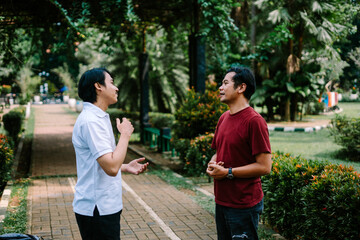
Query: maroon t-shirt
x: 238, y: 139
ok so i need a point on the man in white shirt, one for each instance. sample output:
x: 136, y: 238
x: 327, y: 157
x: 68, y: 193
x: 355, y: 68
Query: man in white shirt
x: 98, y: 193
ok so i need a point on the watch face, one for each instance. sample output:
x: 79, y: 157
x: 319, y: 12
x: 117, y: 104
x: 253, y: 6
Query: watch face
x: 230, y: 175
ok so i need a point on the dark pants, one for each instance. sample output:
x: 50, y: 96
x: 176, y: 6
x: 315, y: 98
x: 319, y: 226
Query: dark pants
x: 238, y: 223
x: 105, y: 227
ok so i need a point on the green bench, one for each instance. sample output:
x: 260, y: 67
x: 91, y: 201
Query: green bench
x: 157, y: 138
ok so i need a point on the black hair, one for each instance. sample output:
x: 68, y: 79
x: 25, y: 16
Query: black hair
x: 86, y: 88
x: 244, y: 75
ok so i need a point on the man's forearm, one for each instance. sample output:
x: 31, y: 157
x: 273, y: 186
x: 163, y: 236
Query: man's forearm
x: 112, y: 162
x: 120, y: 151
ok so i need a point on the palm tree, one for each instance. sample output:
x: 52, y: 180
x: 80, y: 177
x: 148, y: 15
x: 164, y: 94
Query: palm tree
x: 312, y: 25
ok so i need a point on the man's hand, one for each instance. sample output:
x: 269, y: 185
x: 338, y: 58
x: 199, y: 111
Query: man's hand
x: 125, y: 128
x: 213, y: 160
x: 135, y: 167
x: 216, y: 170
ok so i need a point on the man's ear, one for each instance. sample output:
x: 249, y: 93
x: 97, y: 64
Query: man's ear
x: 242, y: 88
x: 97, y: 86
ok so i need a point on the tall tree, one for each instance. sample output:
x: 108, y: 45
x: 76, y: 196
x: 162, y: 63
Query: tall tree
x: 312, y: 25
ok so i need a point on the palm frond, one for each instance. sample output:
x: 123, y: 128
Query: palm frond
x: 323, y: 35
x: 260, y: 4
x: 328, y: 7
x: 279, y: 15
x: 309, y: 24
x: 316, y: 7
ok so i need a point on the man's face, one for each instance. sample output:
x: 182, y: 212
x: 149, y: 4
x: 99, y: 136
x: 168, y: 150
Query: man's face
x: 110, y: 92
x: 227, y: 92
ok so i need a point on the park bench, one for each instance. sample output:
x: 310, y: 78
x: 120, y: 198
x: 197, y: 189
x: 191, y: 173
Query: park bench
x: 157, y: 138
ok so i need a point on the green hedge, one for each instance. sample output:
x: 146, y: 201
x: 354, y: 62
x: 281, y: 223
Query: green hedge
x: 157, y: 120
x: 199, y: 113
x: 199, y: 154
x: 117, y: 113
x: 13, y: 122
x: 160, y: 120
x: 6, y: 161
x: 307, y: 199
x: 195, y: 154
x: 346, y: 132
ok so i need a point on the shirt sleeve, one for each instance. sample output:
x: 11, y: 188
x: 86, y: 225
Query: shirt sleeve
x: 259, y: 135
x: 97, y: 138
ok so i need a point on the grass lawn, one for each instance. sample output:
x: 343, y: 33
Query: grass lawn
x: 350, y: 109
x: 316, y: 145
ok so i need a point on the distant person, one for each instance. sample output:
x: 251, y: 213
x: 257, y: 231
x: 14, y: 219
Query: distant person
x: 242, y: 156
x: 98, y: 193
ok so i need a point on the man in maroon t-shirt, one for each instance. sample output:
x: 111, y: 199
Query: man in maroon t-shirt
x: 242, y: 156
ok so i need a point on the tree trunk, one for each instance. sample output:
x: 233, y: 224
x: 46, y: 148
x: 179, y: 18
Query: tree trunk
x: 287, y: 110
x: 288, y: 99
x: 270, y: 111
x: 253, y: 35
x: 197, y: 65
x: 293, y: 108
x: 295, y: 100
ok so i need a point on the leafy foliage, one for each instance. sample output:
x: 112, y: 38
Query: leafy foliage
x: 346, y: 132
x: 198, y: 155
x: 303, y: 56
x: 307, y: 199
x: 27, y: 82
x: 156, y: 119
x: 160, y: 120
x: 13, y: 121
x: 199, y: 113
x: 6, y: 161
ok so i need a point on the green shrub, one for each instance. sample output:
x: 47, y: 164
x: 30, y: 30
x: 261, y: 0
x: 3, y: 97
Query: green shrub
x: 160, y: 120
x: 307, y: 199
x: 6, y: 161
x: 5, y: 89
x: 333, y: 201
x: 21, y: 110
x: 346, y: 132
x: 117, y: 113
x: 199, y: 113
x: 194, y: 153
x: 198, y: 155
x: 181, y: 146
x: 314, y: 108
x: 157, y: 120
x: 13, y: 122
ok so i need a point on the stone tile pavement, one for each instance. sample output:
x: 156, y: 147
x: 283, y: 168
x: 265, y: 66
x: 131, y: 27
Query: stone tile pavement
x: 153, y: 209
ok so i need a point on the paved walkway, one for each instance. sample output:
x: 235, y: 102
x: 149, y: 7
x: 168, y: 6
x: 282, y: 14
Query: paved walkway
x: 153, y: 209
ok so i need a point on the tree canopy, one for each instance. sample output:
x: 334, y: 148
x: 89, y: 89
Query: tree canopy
x: 294, y: 46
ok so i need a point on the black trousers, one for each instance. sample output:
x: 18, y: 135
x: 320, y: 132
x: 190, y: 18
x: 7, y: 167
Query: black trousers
x: 106, y: 227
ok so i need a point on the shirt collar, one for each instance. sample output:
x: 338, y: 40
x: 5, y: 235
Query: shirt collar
x: 95, y: 109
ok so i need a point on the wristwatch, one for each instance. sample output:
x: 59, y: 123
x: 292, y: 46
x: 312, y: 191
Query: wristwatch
x: 230, y: 175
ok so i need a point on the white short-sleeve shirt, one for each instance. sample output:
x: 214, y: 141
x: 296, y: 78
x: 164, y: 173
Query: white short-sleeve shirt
x: 93, y: 137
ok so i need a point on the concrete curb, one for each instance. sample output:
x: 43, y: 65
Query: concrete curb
x: 4, y: 203
x: 7, y: 191
x: 143, y: 154
x: 296, y: 129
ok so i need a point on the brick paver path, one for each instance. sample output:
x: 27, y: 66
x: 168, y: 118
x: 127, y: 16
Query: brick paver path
x: 152, y: 208
x: 53, y: 152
